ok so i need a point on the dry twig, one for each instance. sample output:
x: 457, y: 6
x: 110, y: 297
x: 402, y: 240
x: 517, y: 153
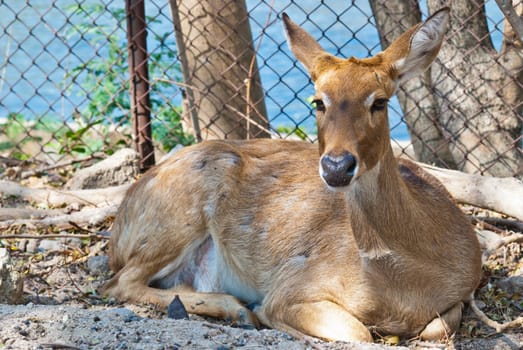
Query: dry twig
x: 52, y: 236
x: 506, y: 223
x: 499, y: 327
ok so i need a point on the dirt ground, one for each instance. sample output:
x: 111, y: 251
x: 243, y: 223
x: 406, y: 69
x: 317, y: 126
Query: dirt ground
x: 62, y: 307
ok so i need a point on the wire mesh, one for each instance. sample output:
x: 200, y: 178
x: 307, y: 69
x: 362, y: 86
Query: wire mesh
x: 64, y: 77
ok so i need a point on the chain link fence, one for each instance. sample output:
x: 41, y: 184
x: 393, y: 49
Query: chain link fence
x: 222, y: 69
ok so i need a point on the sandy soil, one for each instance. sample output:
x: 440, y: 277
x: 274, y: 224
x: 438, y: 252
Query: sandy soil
x: 68, y: 327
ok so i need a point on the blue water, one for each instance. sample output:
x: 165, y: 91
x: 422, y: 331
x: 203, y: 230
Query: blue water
x: 34, y: 67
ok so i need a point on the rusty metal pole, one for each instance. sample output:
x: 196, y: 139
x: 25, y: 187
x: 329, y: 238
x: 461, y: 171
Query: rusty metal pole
x: 139, y: 79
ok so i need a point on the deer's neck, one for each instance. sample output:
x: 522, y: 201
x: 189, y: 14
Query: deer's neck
x: 381, y: 209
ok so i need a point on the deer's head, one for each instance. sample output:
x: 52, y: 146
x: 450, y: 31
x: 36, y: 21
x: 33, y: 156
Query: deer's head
x: 352, y: 95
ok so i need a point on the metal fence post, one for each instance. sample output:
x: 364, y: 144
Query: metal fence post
x: 139, y: 81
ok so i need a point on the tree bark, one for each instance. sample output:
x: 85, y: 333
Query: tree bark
x: 219, y: 55
x: 419, y: 106
x: 479, y: 97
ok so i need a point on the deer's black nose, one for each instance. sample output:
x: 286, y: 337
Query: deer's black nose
x: 337, y: 171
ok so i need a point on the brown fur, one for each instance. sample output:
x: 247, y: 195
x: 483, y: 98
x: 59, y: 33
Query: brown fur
x: 223, y: 224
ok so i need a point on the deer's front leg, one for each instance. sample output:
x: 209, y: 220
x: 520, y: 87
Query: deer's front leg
x: 322, y: 319
x: 444, y: 325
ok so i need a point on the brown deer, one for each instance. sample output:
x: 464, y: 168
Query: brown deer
x: 371, y: 244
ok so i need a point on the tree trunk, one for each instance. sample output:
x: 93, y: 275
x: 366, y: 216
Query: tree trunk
x: 478, y: 93
x: 221, y: 65
x: 419, y: 106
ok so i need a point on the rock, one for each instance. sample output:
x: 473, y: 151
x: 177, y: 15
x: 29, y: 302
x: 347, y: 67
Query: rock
x: 32, y: 246
x: 98, y: 265
x: 176, y: 310
x: 512, y: 284
x: 22, y: 244
x: 11, y: 282
x: 50, y: 245
x: 124, y: 314
x: 73, y: 242
x: 120, y: 168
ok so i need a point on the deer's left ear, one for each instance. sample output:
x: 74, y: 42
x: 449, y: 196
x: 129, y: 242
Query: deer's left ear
x: 301, y: 43
x: 413, y: 52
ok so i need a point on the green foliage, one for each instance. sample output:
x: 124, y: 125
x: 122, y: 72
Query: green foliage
x: 14, y: 126
x: 298, y: 131
x: 16, y: 133
x: 104, y: 79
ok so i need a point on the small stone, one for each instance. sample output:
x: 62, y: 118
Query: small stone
x: 98, y: 265
x: 512, y: 284
x: 125, y: 314
x: 32, y: 246
x: 11, y: 281
x: 73, y: 242
x: 481, y: 305
x: 50, y: 245
x: 22, y: 244
x: 176, y: 310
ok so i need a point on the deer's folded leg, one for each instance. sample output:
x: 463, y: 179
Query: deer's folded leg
x: 444, y: 325
x: 127, y: 285
x: 322, y: 319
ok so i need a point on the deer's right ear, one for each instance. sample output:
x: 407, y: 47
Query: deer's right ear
x: 302, y: 45
x: 415, y: 50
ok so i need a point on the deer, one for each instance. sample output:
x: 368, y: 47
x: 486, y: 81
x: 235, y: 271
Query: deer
x: 248, y: 231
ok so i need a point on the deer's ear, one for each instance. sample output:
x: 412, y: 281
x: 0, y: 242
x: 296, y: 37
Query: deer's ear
x: 302, y: 44
x: 413, y: 52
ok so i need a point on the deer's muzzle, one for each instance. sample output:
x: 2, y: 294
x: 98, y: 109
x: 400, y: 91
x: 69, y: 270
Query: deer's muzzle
x: 338, y: 171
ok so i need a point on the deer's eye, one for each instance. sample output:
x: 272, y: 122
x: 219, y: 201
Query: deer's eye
x: 379, y: 105
x: 318, y: 105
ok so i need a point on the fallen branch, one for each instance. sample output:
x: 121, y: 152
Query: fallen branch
x: 86, y: 216
x: 55, y: 236
x: 485, y: 225
x: 28, y: 213
x: 503, y: 195
x: 499, y: 327
x: 101, y: 196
